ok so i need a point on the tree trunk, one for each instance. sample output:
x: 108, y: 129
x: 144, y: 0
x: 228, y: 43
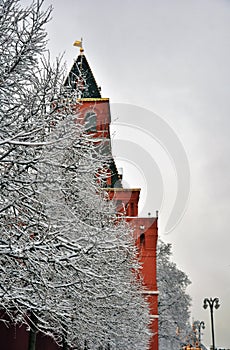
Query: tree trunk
x: 32, y: 340
x: 64, y: 337
x: 33, y: 332
x: 64, y: 344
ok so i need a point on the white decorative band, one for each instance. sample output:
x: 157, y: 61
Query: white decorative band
x: 152, y: 292
x: 153, y: 317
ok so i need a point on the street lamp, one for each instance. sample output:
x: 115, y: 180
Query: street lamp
x: 212, y: 303
x: 198, y: 326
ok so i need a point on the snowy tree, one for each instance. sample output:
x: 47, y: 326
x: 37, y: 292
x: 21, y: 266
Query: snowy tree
x: 27, y: 86
x: 67, y: 262
x: 174, y: 302
x: 102, y: 249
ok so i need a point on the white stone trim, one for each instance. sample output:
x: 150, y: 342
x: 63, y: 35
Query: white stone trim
x: 151, y: 292
x: 153, y: 317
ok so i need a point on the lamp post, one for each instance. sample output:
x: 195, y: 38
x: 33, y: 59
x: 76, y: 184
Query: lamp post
x: 212, y: 303
x: 198, y: 326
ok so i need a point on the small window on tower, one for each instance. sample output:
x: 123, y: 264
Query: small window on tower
x: 91, y: 121
x: 142, y: 239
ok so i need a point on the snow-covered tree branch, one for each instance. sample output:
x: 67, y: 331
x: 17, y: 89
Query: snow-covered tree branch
x: 66, y: 262
x: 174, y: 302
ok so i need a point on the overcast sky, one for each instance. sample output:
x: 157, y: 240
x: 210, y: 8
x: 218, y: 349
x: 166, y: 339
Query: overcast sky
x: 171, y: 57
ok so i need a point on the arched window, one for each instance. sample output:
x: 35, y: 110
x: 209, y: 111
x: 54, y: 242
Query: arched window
x: 142, y: 239
x: 91, y: 121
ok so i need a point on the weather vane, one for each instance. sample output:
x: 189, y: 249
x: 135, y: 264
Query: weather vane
x: 78, y: 43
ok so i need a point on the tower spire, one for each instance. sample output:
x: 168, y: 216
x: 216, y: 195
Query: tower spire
x: 81, y: 77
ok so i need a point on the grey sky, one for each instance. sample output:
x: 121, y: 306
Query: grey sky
x: 171, y: 57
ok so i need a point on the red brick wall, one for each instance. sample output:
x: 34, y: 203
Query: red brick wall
x: 16, y: 337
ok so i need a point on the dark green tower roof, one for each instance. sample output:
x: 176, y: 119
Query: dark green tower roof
x: 81, y: 79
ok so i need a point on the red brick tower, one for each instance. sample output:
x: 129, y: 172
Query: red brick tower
x: 94, y: 112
